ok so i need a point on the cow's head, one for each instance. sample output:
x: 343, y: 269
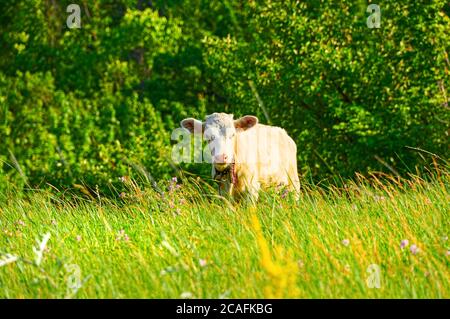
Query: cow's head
x: 219, y: 130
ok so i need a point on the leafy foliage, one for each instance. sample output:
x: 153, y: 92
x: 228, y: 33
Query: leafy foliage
x: 83, y: 105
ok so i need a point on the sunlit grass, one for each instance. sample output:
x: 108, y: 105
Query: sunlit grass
x: 190, y: 243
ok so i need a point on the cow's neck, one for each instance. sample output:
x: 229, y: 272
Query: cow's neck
x: 227, y: 178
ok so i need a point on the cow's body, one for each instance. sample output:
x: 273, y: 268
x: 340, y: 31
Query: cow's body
x: 265, y: 156
x: 253, y: 155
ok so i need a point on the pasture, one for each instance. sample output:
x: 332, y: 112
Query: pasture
x: 377, y: 238
x: 93, y: 95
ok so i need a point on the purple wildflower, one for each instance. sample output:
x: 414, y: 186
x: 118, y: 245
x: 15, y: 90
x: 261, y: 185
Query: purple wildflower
x: 173, y: 184
x: 414, y: 249
x: 404, y: 243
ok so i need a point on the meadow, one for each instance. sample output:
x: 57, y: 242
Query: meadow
x: 91, y: 96
x: 377, y: 237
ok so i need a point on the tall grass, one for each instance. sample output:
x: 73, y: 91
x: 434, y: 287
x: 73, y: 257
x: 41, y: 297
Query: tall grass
x: 185, y: 241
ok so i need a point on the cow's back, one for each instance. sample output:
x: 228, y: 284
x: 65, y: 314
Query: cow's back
x: 268, y: 155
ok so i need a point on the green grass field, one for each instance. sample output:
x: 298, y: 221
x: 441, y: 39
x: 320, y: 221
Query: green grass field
x: 191, y: 244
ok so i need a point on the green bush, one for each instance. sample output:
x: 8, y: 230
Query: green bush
x: 89, y: 105
x: 55, y: 137
x: 349, y: 95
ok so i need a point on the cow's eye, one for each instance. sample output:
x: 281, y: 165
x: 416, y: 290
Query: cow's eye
x: 212, y: 138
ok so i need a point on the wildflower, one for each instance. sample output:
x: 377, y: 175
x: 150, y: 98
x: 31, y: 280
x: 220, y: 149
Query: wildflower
x: 346, y: 242
x: 414, y: 249
x: 285, y: 193
x: 173, y: 184
x: 20, y: 222
x: 122, y: 195
x: 178, y: 211
x: 404, y: 243
x: 54, y: 222
x: 8, y: 233
x: 202, y: 262
x: 182, y: 201
x: 122, y: 235
x: 78, y: 238
x: 122, y: 179
x: 447, y: 253
x: 379, y: 198
x: 281, y: 270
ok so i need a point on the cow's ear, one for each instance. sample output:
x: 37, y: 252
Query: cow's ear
x: 246, y: 122
x: 193, y: 125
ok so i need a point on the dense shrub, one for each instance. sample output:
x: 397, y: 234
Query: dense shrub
x: 351, y: 96
x: 85, y: 105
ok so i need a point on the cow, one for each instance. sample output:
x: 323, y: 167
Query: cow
x: 247, y: 156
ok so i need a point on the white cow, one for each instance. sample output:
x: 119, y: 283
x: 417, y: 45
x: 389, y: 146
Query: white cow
x: 247, y: 156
